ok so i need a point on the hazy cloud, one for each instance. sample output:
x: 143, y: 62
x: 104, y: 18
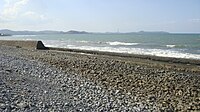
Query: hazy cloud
x: 12, y: 8
x: 34, y: 16
x: 195, y: 20
x: 14, y: 13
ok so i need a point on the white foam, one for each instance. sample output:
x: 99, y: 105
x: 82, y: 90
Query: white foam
x: 24, y: 35
x: 120, y: 43
x: 56, y: 43
x: 154, y: 52
x: 83, y: 41
x: 171, y: 46
x: 142, y: 51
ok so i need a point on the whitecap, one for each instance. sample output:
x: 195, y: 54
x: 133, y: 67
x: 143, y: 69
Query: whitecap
x: 115, y: 43
x: 170, y: 46
x: 24, y: 35
x: 83, y: 41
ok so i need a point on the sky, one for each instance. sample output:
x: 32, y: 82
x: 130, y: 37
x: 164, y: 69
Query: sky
x: 101, y: 15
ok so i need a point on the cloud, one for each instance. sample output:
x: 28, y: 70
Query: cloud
x: 33, y: 15
x: 195, y: 20
x: 14, y: 12
x: 12, y: 8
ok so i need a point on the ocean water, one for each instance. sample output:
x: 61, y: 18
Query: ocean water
x: 165, y: 45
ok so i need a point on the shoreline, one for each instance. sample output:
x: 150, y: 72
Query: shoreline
x: 40, y: 46
x: 126, y: 55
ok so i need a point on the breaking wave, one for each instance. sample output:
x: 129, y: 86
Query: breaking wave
x: 121, y: 43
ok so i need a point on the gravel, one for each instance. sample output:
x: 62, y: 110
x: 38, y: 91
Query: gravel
x: 32, y: 80
x: 28, y: 85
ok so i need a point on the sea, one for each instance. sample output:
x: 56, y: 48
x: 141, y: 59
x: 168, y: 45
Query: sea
x: 164, y: 45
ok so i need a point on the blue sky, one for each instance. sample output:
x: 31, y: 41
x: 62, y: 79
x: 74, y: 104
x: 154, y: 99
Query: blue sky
x: 101, y: 15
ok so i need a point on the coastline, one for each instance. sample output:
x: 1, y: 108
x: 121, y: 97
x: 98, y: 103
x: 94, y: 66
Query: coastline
x: 126, y: 55
x: 157, y: 83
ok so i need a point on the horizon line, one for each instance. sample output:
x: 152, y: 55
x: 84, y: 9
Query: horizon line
x: 145, y: 31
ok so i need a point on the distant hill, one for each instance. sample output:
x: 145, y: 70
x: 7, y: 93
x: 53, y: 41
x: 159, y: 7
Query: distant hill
x: 76, y: 32
x: 6, y: 31
x: 140, y: 32
x: 10, y: 32
x: 50, y: 32
x: 153, y: 32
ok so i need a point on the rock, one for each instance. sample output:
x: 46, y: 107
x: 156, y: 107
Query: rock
x: 8, y: 71
x: 22, y: 105
x: 2, y: 106
x: 152, y: 98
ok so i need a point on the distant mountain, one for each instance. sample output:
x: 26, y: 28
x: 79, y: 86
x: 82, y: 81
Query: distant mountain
x: 10, y: 32
x: 140, y: 32
x: 76, y: 32
x: 153, y: 32
x: 50, y: 32
x: 6, y: 31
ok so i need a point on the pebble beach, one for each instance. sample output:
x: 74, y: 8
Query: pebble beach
x: 51, y: 80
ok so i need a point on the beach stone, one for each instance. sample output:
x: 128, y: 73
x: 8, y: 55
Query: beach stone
x: 22, y: 105
x: 152, y: 98
x: 2, y: 105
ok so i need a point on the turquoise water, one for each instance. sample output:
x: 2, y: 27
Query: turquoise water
x: 166, y: 45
